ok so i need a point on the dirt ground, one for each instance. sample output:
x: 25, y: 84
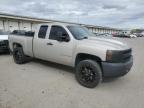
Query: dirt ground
x: 40, y: 84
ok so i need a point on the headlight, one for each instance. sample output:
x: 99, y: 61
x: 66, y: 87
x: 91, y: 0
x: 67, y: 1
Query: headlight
x: 109, y: 55
x: 114, y: 56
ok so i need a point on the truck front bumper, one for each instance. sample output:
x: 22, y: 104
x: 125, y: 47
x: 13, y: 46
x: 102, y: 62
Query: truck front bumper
x: 116, y: 69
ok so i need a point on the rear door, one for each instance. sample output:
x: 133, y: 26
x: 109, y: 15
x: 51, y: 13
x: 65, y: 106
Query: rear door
x: 40, y: 43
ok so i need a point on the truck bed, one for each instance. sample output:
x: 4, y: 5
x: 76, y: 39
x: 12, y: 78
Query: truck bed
x: 26, y: 41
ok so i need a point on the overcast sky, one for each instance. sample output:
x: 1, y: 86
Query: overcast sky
x: 113, y: 13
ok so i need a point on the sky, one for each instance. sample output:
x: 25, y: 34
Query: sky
x: 110, y: 13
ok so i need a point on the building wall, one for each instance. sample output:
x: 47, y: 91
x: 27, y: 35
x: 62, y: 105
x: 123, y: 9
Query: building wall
x: 102, y: 30
x: 14, y: 24
x: 10, y: 25
x: 27, y: 26
x: 1, y: 25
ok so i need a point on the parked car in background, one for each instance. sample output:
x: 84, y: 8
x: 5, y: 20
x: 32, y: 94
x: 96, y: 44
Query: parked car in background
x: 138, y: 34
x: 104, y: 35
x: 4, y: 46
x: 132, y: 36
x: 97, y: 34
x: 108, y: 35
x: 142, y: 34
x: 93, y: 58
x: 118, y: 34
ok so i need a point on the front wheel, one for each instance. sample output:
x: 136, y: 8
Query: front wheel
x: 88, y: 73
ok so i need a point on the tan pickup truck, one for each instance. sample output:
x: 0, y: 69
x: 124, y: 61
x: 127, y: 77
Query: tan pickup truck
x: 92, y: 57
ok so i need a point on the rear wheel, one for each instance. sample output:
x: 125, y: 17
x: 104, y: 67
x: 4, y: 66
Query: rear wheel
x: 88, y: 73
x: 19, y: 56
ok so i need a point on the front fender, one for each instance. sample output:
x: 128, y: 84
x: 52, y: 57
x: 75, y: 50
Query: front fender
x: 91, y: 50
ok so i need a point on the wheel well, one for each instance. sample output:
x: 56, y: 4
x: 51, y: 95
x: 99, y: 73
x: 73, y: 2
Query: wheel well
x: 16, y: 45
x: 83, y: 56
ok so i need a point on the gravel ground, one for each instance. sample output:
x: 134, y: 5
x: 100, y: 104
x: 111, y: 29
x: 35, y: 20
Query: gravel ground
x: 40, y: 84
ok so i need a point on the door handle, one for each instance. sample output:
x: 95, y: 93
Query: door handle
x: 49, y: 43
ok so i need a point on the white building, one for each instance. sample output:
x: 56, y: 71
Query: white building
x: 9, y: 22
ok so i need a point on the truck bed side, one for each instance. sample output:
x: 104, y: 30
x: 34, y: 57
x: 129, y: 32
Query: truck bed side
x: 25, y: 41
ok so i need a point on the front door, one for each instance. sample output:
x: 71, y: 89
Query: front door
x: 59, y: 51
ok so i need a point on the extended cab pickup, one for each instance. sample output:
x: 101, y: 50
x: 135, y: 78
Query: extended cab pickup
x: 73, y: 45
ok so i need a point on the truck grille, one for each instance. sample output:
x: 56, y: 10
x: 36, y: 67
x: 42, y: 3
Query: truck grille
x: 126, y: 55
x: 121, y: 56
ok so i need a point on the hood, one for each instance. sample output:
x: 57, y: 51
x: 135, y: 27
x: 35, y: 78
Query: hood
x: 3, y: 37
x: 106, y: 43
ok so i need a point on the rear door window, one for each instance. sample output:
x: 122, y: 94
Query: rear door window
x: 43, y: 31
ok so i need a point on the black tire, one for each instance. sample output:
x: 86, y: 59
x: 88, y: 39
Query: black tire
x: 19, y: 56
x: 88, y: 73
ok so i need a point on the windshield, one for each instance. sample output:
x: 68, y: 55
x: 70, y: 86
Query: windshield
x: 80, y: 32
